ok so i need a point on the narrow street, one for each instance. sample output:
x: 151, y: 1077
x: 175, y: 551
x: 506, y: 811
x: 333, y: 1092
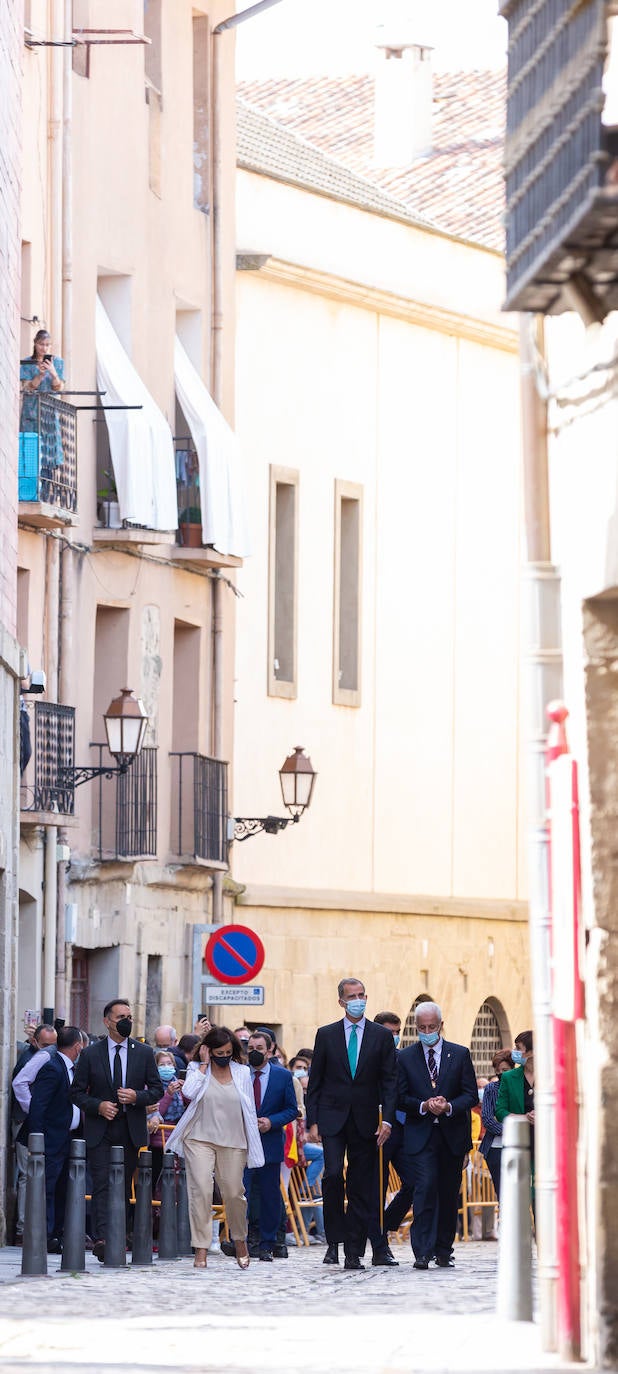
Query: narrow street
x: 289, y: 1316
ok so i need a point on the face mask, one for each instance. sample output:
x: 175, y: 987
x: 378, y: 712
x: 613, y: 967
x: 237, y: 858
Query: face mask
x: 166, y: 1073
x: 256, y: 1058
x: 300, y: 1073
x: 356, y: 1006
x: 124, y: 1026
x: 396, y: 1039
x: 220, y: 1060
x: 518, y: 1058
x: 429, y: 1037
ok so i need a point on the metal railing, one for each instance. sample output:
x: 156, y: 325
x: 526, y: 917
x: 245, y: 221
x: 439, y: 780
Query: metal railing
x: 188, y: 493
x: 48, y: 452
x: 53, y: 750
x: 199, y: 808
x: 125, y: 812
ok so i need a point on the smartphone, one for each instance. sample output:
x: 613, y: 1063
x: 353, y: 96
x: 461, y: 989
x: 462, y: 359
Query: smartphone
x: 47, y: 358
x: 182, y: 1074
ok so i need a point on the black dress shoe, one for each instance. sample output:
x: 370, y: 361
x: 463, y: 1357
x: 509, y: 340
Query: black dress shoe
x: 228, y: 1248
x: 445, y: 1262
x: 98, y: 1250
x: 332, y: 1255
x: 266, y: 1256
x: 422, y: 1262
x: 280, y: 1251
x: 353, y: 1262
x: 54, y: 1246
x: 384, y: 1257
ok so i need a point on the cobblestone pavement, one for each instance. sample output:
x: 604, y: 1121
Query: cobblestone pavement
x: 291, y: 1316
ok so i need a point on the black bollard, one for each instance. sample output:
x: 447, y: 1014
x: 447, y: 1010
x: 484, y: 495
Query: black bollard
x: 34, y: 1246
x: 74, y: 1242
x: 142, y: 1219
x: 168, y: 1238
x: 116, y: 1229
x: 183, y: 1224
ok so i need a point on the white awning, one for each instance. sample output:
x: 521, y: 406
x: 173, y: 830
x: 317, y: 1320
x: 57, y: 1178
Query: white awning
x: 140, y: 441
x: 221, y: 488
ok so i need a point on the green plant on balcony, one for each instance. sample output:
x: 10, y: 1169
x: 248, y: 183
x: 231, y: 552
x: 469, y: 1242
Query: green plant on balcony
x: 190, y: 524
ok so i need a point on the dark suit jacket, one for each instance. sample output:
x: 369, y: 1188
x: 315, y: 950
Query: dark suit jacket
x: 93, y: 1084
x: 456, y: 1082
x: 51, y: 1106
x: 279, y: 1105
x: 333, y: 1095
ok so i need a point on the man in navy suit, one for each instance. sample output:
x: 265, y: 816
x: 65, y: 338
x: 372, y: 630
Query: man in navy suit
x: 53, y: 1115
x: 275, y: 1103
x: 436, y: 1090
x: 353, y: 1072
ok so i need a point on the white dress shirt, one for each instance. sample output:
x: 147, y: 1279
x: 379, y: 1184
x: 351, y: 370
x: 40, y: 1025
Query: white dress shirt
x: 70, y: 1068
x: 437, y: 1054
x: 22, y: 1082
x: 112, y: 1046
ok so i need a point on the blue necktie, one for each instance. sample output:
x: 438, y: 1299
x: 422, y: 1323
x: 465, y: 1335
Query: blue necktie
x: 353, y: 1050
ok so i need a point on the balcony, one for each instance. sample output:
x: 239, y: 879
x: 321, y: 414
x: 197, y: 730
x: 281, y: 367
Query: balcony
x: 43, y: 799
x: 47, y: 470
x: 125, y: 808
x: 199, y: 810
x: 189, y: 548
x: 561, y: 161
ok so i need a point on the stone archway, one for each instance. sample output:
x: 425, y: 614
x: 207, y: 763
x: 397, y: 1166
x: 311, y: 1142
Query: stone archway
x: 489, y: 1034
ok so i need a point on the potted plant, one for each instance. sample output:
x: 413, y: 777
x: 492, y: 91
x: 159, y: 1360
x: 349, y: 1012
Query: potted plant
x: 108, y: 508
x: 190, y: 525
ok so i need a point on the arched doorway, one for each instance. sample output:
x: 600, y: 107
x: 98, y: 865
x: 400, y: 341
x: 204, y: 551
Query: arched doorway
x: 489, y: 1034
x: 409, y: 1035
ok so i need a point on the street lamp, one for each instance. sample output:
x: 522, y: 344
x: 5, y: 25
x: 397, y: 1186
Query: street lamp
x: 297, y: 778
x: 125, y: 724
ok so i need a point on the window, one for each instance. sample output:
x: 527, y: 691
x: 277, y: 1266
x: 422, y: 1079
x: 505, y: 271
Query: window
x: 489, y: 1034
x: 347, y: 594
x: 154, y: 90
x: 283, y: 580
x: 201, y: 105
x: 81, y: 51
x: 23, y: 595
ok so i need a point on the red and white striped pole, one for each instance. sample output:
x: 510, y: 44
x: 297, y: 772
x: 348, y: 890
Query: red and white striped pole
x: 567, y: 1008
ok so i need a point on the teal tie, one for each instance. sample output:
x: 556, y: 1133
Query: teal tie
x: 353, y: 1050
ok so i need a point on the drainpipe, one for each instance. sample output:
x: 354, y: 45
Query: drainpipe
x: 54, y: 134
x: 542, y: 663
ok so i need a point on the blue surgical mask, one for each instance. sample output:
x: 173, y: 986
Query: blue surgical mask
x: 429, y: 1038
x: 300, y: 1073
x: 518, y: 1058
x: 166, y: 1073
x: 396, y: 1039
x: 356, y: 1006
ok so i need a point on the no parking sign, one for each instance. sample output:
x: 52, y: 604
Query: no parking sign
x: 234, y: 954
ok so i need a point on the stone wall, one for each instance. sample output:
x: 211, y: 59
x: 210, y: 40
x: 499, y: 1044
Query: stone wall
x: 11, y: 43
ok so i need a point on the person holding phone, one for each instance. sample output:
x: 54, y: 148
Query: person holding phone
x: 40, y: 374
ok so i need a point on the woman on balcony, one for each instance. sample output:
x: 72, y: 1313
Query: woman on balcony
x: 40, y: 374
x: 218, y: 1132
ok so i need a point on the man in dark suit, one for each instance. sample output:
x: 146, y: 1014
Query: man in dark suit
x: 353, y: 1072
x: 53, y: 1114
x: 116, y: 1080
x: 275, y: 1104
x: 436, y: 1090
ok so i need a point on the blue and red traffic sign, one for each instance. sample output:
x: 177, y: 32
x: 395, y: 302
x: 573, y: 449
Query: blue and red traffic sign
x: 234, y: 954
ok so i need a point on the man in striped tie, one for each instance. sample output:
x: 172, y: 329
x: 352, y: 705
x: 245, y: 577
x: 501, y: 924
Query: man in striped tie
x: 353, y: 1073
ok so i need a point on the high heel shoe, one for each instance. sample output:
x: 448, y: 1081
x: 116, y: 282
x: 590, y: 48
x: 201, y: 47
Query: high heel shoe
x: 242, y: 1260
x: 200, y: 1263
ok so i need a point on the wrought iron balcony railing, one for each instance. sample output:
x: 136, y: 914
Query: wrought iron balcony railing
x: 53, y: 750
x: 199, y: 809
x: 125, y: 808
x: 48, y: 452
x: 188, y: 494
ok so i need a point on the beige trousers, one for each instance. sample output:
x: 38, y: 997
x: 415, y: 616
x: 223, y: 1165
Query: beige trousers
x: 203, y: 1162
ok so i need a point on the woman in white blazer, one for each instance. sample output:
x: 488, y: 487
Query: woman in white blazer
x: 218, y: 1136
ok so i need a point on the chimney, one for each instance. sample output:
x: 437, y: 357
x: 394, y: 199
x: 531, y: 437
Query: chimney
x: 403, y: 97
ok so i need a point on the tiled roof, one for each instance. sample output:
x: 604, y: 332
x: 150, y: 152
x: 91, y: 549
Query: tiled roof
x: 264, y: 146
x: 457, y: 187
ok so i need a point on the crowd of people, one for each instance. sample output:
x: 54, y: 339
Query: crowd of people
x: 242, y: 1118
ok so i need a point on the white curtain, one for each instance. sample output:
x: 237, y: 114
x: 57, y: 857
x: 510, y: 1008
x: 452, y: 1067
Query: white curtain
x: 221, y: 488
x: 140, y: 441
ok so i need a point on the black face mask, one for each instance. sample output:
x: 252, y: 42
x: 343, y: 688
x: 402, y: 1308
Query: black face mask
x: 124, y: 1026
x: 256, y: 1057
x: 220, y: 1060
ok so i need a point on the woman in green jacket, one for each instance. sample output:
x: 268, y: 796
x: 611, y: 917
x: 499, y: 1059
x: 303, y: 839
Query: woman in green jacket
x: 516, y: 1092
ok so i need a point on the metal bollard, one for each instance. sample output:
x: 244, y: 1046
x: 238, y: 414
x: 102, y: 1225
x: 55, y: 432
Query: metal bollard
x: 183, y: 1223
x: 116, y: 1229
x: 515, y: 1248
x: 74, y: 1242
x: 168, y: 1236
x: 34, y: 1246
x: 142, y: 1220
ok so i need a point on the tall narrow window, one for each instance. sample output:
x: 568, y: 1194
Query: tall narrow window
x: 81, y: 51
x: 201, y: 106
x: 347, y: 594
x: 283, y: 580
x: 154, y: 90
